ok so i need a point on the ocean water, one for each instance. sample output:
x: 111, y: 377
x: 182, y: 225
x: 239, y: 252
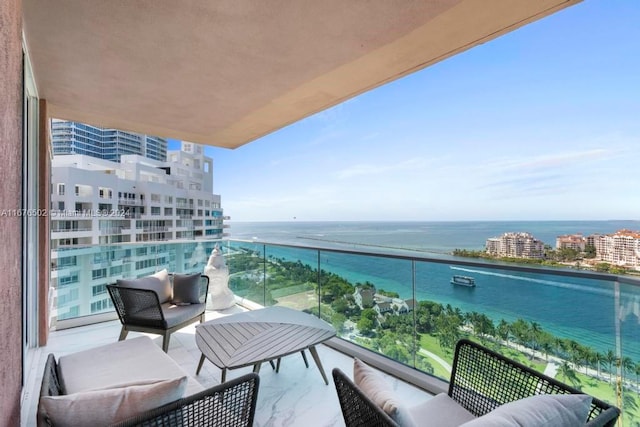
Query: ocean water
x: 434, y: 237
x: 590, y: 311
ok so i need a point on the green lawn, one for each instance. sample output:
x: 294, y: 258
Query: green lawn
x: 605, y: 390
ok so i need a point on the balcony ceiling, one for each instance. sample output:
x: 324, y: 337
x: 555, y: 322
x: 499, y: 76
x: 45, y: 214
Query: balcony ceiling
x: 226, y: 72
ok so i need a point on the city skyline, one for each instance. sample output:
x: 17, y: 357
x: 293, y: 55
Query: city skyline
x: 539, y: 124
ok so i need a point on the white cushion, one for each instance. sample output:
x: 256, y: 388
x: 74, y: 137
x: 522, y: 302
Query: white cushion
x: 441, y: 411
x: 374, y: 386
x: 108, y: 406
x: 133, y: 360
x: 549, y: 410
x: 158, y: 282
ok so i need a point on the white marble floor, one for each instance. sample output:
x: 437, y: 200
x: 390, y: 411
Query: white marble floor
x: 295, y: 396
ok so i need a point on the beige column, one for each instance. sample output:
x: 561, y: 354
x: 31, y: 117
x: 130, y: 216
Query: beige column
x: 10, y: 199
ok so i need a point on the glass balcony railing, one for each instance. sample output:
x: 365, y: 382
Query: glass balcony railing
x: 580, y: 327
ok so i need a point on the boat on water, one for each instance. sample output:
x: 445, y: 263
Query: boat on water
x: 463, y: 281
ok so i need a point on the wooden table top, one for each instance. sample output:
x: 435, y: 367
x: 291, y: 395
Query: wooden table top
x: 257, y: 336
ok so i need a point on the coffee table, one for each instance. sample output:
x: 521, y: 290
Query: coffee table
x: 258, y: 336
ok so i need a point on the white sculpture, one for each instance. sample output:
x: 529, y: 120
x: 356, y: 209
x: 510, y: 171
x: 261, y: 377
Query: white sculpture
x: 220, y: 296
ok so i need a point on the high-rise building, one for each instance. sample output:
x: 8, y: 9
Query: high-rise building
x: 515, y: 245
x: 620, y: 248
x: 104, y: 143
x: 100, y: 208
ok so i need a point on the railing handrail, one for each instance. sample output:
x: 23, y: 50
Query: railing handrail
x: 444, y: 259
x: 560, y: 271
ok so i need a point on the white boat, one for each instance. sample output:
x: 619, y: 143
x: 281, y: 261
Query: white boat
x: 463, y: 281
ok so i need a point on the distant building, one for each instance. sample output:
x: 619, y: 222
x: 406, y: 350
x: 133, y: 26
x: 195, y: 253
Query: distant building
x: 401, y: 306
x: 364, y: 296
x: 515, y: 245
x: 411, y: 304
x: 104, y: 143
x: 620, y: 248
x: 571, y: 241
x: 383, y: 307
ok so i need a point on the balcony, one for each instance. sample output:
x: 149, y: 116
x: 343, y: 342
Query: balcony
x: 286, y: 398
x: 577, y: 326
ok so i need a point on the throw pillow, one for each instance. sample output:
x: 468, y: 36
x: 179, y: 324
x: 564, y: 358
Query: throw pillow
x: 186, y: 289
x: 108, y: 406
x: 549, y: 410
x: 158, y: 282
x: 374, y: 386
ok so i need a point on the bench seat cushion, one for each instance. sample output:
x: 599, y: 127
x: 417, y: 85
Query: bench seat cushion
x: 176, y: 314
x: 133, y: 360
x: 108, y: 406
x: 441, y: 411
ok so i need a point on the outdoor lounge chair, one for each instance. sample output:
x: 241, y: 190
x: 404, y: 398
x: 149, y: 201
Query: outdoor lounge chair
x: 153, y: 304
x: 481, y: 381
x: 230, y: 404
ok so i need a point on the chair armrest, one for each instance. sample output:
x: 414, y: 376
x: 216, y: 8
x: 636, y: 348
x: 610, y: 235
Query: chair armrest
x: 204, y: 288
x: 482, y: 380
x: 140, y: 307
x: 606, y: 418
x: 232, y: 403
x: 357, y: 409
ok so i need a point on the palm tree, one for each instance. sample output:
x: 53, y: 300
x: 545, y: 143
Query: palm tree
x: 520, y: 331
x: 636, y: 370
x: 547, y: 347
x: 598, y: 358
x: 588, y: 357
x: 533, y: 337
x: 502, y: 330
x: 566, y: 371
x: 610, y: 357
x: 627, y: 365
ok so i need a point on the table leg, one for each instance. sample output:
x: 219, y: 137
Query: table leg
x: 274, y: 366
x: 316, y: 358
x: 304, y: 357
x: 200, y: 364
x: 256, y: 367
x: 223, y: 375
x: 278, y: 365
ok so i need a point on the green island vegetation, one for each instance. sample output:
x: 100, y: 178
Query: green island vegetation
x: 564, y: 257
x: 429, y: 345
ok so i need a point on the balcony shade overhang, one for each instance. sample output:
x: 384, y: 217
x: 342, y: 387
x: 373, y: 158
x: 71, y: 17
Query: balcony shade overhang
x: 226, y: 72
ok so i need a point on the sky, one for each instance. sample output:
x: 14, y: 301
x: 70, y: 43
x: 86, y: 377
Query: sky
x: 540, y: 124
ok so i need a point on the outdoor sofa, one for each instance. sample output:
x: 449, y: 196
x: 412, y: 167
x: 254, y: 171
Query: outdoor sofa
x: 133, y: 382
x: 485, y: 388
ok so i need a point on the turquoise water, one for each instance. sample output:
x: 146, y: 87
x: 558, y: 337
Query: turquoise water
x: 580, y: 309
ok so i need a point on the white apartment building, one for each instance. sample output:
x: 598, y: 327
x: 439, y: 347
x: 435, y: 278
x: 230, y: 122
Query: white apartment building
x: 571, y: 241
x: 515, y: 245
x: 101, y: 209
x: 620, y: 248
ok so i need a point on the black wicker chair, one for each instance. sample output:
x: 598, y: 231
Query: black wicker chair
x: 230, y: 404
x: 140, y: 310
x: 481, y: 380
x: 357, y: 409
